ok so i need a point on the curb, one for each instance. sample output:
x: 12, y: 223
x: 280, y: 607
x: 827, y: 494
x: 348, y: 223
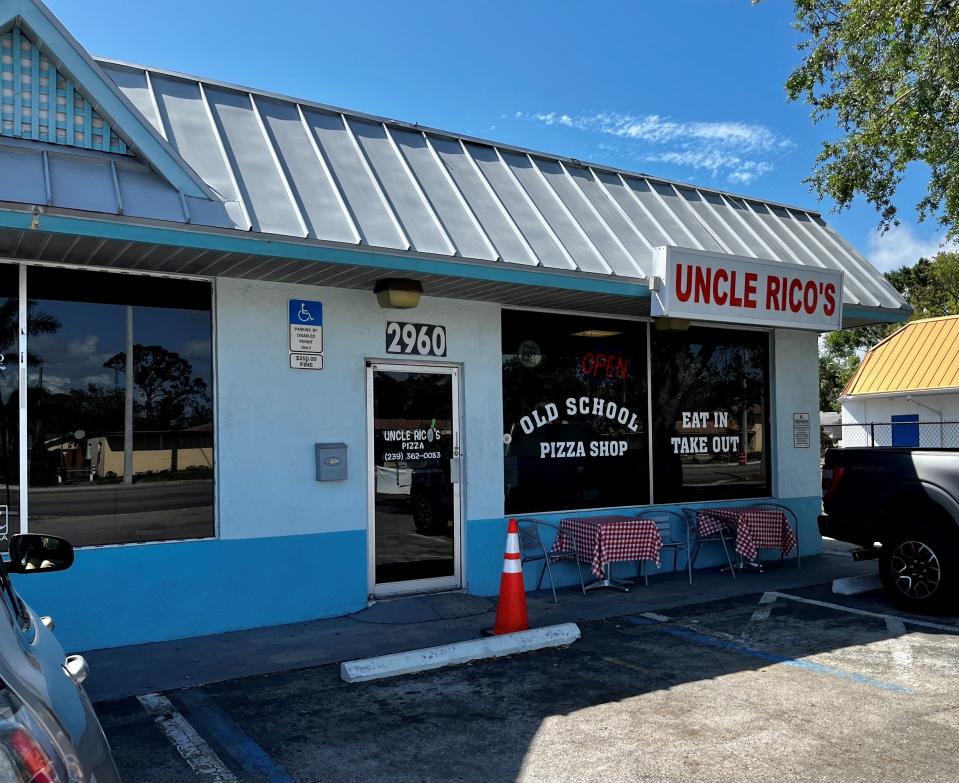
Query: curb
x: 854, y: 585
x: 427, y: 658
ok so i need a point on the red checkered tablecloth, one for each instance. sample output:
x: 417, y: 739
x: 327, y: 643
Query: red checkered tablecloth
x: 604, y: 540
x: 756, y: 528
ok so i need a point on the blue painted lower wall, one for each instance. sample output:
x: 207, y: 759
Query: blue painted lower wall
x: 114, y: 596
x: 486, y: 539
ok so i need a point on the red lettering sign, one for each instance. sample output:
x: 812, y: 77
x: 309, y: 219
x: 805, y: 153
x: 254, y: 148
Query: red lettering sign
x: 714, y: 286
x: 605, y: 365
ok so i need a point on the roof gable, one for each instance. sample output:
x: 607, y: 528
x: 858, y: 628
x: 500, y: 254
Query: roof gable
x: 45, y: 45
x: 43, y: 104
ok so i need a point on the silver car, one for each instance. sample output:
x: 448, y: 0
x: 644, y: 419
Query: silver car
x: 49, y: 732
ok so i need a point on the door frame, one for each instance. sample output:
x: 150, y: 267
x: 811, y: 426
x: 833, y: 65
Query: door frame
x: 434, y: 584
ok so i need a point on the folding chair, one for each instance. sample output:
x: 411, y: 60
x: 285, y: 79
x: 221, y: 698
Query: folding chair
x: 532, y: 549
x: 790, y: 515
x: 665, y: 519
x: 691, y: 515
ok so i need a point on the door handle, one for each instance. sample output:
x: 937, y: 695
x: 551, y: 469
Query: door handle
x: 455, y: 470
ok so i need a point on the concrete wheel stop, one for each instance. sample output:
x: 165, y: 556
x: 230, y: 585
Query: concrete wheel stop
x: 393, y: 665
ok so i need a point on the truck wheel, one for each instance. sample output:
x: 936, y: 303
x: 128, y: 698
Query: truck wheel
x: 423, y: 517
x: 920, y: 568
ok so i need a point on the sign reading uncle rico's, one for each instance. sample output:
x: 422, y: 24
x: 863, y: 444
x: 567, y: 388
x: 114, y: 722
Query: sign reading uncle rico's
x: 718, y: 287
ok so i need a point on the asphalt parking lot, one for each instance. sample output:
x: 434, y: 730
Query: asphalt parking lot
x: 801, y: 685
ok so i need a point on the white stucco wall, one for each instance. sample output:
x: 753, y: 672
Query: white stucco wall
x: 795, y: 389
x: 269, y: 416
x: 860, y: 412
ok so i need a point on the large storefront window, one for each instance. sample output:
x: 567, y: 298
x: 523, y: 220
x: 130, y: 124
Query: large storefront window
x: 9, y: 405
x: 114, y: 457
x: 575, y: 409
x: 710, y: 400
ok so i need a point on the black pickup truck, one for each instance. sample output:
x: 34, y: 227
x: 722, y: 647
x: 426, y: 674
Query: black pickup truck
x: 900, y: 505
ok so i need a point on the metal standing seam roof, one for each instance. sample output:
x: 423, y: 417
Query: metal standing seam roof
x: 920, y: 356
x: 306, y: 170
x: 224, y: 157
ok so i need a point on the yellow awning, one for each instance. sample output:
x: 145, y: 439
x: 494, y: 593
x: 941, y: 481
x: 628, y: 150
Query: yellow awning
x: 921, y: 356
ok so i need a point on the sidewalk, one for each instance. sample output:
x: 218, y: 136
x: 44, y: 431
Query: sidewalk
x: 421, y: 621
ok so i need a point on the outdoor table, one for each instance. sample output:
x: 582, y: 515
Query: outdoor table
x: 609, y: 539
x: 755, y: 529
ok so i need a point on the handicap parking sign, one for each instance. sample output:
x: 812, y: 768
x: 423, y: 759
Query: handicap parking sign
x: 306, y: 326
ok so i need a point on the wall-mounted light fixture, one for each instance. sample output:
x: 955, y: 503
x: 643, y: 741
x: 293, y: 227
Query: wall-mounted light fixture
x: 398, y: 293
x: 671, y: 324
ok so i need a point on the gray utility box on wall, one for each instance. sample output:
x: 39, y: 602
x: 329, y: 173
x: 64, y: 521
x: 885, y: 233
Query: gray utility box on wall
x: 330, y: 461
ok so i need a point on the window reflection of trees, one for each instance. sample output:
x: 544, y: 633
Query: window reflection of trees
x: 707, y: 369
x: 168, y: 395
x: 168, y: 398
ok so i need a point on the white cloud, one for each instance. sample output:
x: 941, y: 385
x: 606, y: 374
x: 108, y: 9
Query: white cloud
x: 901, y: 247
x: 197, y: 349
x: 736, y: 151
x: 86, y: 346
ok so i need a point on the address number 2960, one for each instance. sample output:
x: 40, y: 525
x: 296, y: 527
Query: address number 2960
x: 415, y: 339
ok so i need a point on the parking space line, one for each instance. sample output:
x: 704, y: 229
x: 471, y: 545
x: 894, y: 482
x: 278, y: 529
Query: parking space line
x: 879, y: 615
x: 899, y: 647
x: 819, y: 668
x: 194, y: 749
x: 626, y: 665
x: 895, y: 625
x: 234, y: 740
x: 766, y: 602
x: 659, y: 618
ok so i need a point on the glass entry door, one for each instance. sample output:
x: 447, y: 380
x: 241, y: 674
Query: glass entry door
x: 414, y: 450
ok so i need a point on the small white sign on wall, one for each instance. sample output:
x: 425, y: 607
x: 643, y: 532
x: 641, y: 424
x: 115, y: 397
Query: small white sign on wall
x: 306, y: 361
x: 800, y: 430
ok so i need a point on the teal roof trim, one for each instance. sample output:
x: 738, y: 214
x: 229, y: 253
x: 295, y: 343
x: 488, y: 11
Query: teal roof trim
x: 73, y: 61
x: 253, y: 244
x: 877, y: 316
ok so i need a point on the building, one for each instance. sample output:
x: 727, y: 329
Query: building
x: 906, y: 391
x: 398, y: 335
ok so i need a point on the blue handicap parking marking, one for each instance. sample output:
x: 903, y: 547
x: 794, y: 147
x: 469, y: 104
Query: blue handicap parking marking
x: 306, y: 312
x: 210, y: 718
x: 799, y: 663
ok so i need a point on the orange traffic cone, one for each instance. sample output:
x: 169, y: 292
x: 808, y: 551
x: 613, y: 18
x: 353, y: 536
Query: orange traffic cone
x: 511, y: 609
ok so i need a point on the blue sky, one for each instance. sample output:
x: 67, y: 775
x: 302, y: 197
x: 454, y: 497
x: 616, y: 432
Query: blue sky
x: 686, y: 89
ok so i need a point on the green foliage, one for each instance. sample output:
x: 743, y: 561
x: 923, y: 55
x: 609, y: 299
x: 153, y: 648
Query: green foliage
x: 835, y: 369
x: 887, y: 73
x: 931, y: 286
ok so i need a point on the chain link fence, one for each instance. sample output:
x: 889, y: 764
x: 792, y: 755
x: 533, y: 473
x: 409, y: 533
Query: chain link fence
x: 924, y: 434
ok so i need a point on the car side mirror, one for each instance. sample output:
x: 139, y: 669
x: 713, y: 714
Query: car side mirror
x: 34, y: 553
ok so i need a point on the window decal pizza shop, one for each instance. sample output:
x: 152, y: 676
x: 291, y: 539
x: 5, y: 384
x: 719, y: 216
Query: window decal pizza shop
x: 575, y: 402
x: 573, y: 406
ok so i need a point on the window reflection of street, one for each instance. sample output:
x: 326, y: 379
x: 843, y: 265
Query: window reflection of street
x: 102, y: 472
x: 9, y: 403
x: 413, y: 496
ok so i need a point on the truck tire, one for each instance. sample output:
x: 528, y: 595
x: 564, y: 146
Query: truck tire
x: 919, y: 568
x: 427, y: 516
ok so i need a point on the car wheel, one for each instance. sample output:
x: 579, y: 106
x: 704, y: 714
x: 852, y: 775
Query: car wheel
x: 919, y: 568
x: 423, y: 517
